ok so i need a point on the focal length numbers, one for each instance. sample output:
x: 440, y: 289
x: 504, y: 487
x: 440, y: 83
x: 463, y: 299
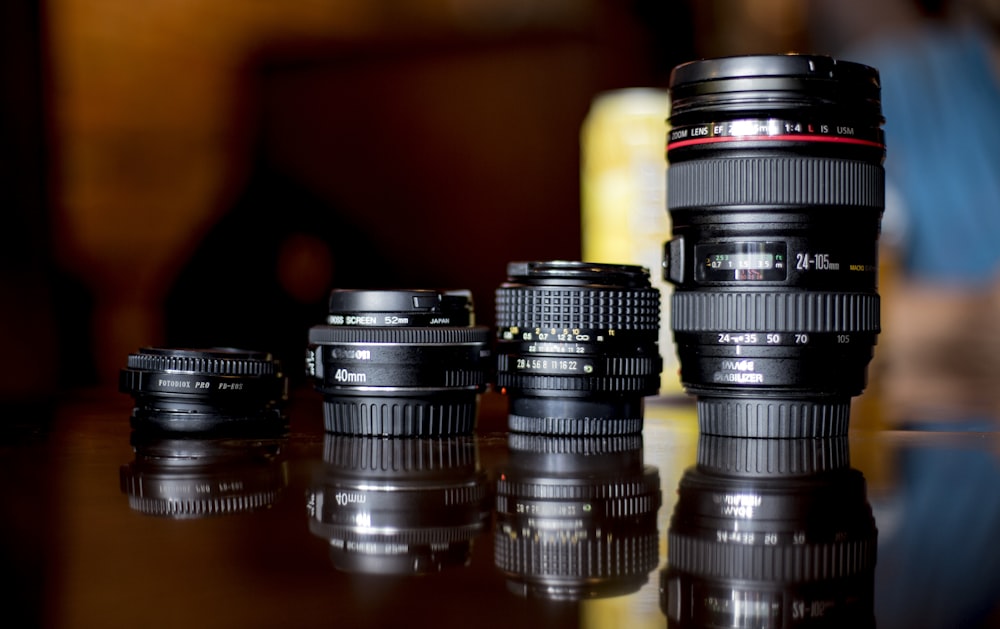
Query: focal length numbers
x: 780, y: 338
x: 815, y: 262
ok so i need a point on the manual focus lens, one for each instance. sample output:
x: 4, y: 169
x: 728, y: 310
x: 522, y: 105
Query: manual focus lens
x: 577, y: 346
x: 399, y: 362
x: 776, y: 192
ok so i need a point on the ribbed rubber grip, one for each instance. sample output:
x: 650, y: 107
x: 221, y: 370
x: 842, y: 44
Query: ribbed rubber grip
x: 775, y: 312
x: 765, y: 458
x: 775, y: 181
x: 774, y: 418
x: 584, y: 308
x: 395, y: 417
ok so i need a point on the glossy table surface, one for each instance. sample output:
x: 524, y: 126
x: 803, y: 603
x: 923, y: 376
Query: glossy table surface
x: 104, y: 527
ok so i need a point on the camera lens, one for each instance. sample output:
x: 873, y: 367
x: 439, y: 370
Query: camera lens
x: 776, y: 192
x: 770, y: 533
x: 399, y: 506
x: 577, y: 346
x: 399, y: 362
x: 576, y: 517
x: 200, y: 390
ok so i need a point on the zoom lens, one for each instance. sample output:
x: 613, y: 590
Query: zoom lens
x: 576, y: 517
x: 200, y: 390
x: 399, y: 506
x: 399, y: 362
x: 776, y: 192
x: 577, y: 346
x: 770, y: 533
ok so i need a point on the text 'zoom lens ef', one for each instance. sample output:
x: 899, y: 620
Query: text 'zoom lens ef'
x: 399, y: 362
x: 776, y: 191
x: 577, y: 346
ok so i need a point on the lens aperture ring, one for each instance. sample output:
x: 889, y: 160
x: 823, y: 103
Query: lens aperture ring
x: 775, y: 181
x: 795, y: 312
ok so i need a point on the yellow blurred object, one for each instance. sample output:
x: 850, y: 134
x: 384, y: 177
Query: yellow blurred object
x: 623, y: 177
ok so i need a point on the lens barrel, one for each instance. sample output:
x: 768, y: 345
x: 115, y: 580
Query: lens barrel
x: 577, y: 346
x: 399, y: 506
x: 202, y: 390
x: 576, y: 517
x: 770, y: 533
x: 399, y: 362
x: 776, y: 192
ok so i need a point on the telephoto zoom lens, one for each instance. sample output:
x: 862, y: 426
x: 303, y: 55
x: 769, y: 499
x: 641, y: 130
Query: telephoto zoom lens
x: 399, y: 363
x: 577, y: 346
x: 776, y: 191
x: 204, y: 390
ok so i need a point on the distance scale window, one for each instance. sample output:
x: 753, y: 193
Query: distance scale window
x: 741, y: 262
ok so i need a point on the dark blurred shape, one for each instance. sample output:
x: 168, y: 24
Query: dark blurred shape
x: 261, y: 277
x: 398, y: 507
x: 770, y: 533
x: 576, y: 517
x: 191, y: 477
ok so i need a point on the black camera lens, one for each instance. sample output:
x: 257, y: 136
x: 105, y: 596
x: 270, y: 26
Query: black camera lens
x: 776, y: 191
x: 201, y: 390
x: 401, y: 507
x: 577, y: 346
x: 399, y: 362
x: 770, y: 533
x: 191, y: 478
x: 576, y: 517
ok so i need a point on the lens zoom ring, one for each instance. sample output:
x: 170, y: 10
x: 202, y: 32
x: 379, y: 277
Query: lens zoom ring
x: 797, y: 563
x: 734, y: 417
x: 202, y: 365
x: 775, y: 312
x: 388, y: 417
x: 775, y: 181
x: 563, y: 308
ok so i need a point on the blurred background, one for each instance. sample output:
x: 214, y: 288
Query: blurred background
x: 198, y: 174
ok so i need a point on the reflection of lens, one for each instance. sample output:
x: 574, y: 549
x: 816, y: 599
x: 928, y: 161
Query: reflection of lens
x: 188, y: 478
x: 399, y: 362
x: 577, y: 346
x: 770, y: 533
x: 398, y: 506
x: 776, y: 192
x: 576, y: 517
x: 197, y: 390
